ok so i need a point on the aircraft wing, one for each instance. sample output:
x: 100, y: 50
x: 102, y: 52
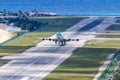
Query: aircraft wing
x: 71, y: 39
x: 50, y: 39
x: 61, y: 41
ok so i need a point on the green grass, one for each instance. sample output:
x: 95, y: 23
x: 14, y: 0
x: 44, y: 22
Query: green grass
x: 108, y: 36
x: 30, y: 39
x: 104, y: 43
x: 113, y: 27
x: 117, y: 75
x: 3, y: 62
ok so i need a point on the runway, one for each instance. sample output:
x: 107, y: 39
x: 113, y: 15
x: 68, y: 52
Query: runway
x: 38, y: 61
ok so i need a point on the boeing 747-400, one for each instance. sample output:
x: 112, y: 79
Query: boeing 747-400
x: 60, y: 39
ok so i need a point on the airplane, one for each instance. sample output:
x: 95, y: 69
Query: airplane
x: 60, y: 39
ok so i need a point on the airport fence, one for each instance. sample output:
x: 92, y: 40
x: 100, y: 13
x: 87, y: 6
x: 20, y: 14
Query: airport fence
x: 110, y: 68
x: 12, y: 39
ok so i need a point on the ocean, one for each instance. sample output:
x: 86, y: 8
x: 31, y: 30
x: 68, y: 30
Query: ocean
x: 65, y: 7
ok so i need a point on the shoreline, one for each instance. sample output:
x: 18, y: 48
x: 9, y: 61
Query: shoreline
x: 58, y: 16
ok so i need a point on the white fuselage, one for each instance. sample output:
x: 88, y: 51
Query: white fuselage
x: 60, y: 39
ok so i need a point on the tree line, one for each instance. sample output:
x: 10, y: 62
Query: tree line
x: 26, y: 24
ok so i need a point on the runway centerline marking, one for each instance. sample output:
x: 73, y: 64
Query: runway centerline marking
x: 25, y: 78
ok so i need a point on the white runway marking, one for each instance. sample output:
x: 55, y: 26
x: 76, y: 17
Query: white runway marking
x: 25, y: 78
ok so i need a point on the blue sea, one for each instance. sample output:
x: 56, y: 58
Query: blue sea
x: 65, y: 7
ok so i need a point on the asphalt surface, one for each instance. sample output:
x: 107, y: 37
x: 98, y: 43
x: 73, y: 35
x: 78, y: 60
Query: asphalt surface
x: 91, y: 25
x: 37, y: 62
